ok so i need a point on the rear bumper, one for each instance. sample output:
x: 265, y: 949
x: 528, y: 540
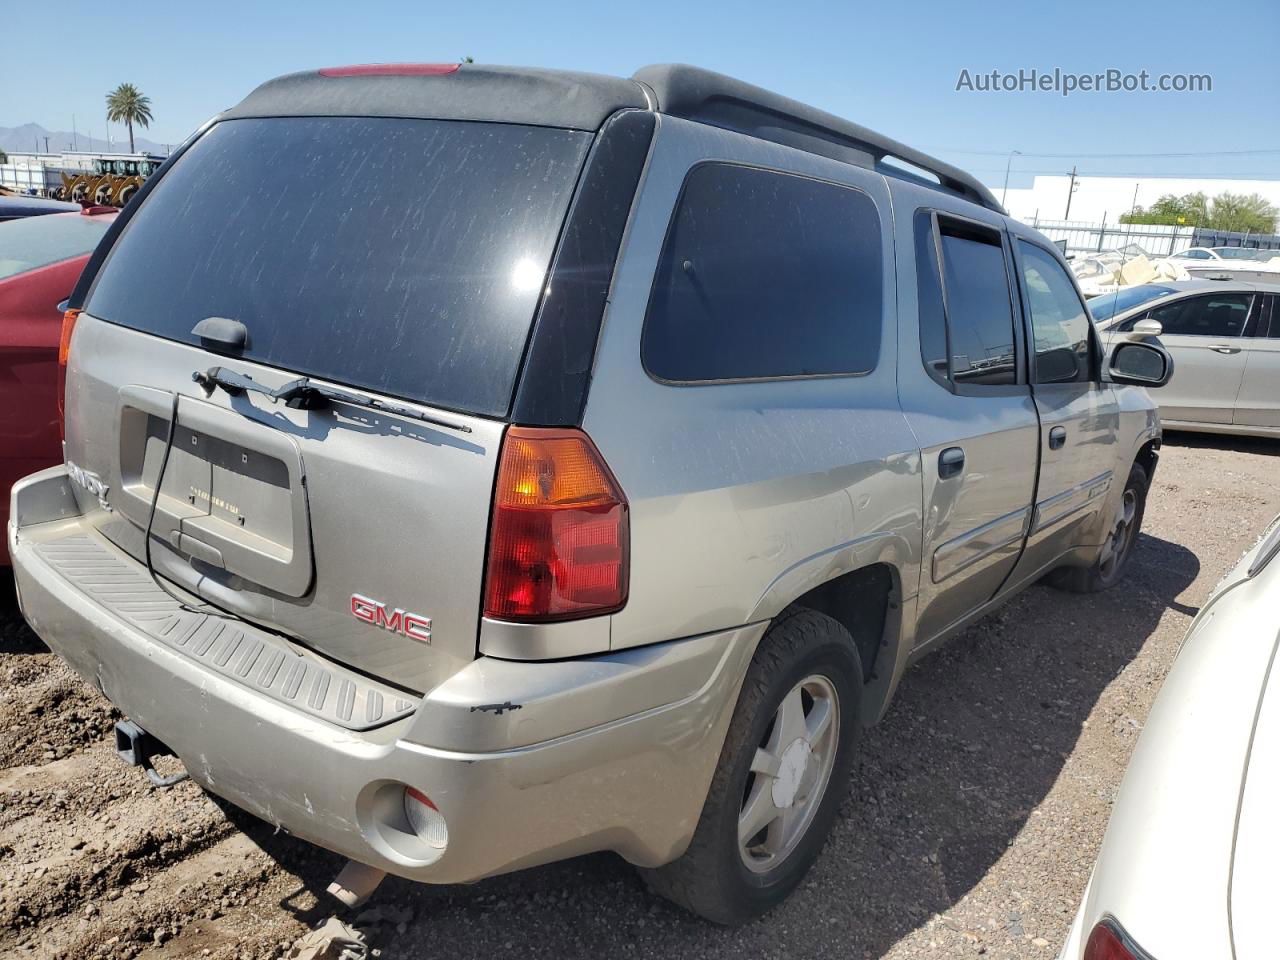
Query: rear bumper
x: 528, y: 762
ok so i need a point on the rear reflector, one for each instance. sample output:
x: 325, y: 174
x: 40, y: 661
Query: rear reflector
x: 391, y: 70
x: 64, y: 349
x: 1107, y: 941
x: 425, y: 818
x: 559, y: 540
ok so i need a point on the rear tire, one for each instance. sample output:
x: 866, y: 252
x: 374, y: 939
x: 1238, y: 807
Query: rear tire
x: 784, y: 766
x: 1114, y: 558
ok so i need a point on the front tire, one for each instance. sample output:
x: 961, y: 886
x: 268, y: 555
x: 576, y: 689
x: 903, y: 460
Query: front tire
x: 1122, y: 536
x: 782, y: 773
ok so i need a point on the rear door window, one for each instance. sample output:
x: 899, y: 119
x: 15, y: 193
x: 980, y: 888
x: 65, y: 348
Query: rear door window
x: 1217, y: 315
x: 35, y: 242
x: 764, y: 275
x: 403, y: 256
x: 973, y: 292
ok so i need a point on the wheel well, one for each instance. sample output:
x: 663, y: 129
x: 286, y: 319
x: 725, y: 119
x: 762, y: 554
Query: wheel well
x: 859, y: 602
x: 1148, y: 456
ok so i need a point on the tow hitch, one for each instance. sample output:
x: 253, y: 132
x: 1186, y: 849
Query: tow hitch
x: 136, y: 748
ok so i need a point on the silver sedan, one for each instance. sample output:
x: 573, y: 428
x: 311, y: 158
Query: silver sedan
x: 1187, y: 866
x: 1224, y: 337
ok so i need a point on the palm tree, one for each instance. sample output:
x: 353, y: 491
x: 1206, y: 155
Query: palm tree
x: 125, y: 104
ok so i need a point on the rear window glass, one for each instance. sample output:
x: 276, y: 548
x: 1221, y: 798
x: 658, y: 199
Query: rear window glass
x: 403, y: 256
x: 35, y: 242
x: 765, y: 274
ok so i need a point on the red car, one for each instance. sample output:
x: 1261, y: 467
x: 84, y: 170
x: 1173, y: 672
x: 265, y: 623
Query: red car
x: 40, y: 261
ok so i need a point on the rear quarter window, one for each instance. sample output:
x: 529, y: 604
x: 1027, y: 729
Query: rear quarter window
x: 35, y: 242
x: 402, y: 256
x: 762, y: 275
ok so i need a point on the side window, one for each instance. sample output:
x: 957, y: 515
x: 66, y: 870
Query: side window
x: 1059, y: 323
x: 1268, y: 317
x: 765, y: 274
x: 1196, y: 255
x: 979, y: 313
x: 933, y: 318
x: 1217, y: 315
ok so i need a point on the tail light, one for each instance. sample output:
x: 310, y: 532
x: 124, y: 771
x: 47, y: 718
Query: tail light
x: 559, y: 539
x: 64, y: 349
x: 1108, y: 941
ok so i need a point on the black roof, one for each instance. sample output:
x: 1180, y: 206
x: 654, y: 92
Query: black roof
x: 547, y: 98
x: 583, y: 101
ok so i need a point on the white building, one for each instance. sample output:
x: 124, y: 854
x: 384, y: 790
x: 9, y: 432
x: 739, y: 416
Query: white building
x: 1099, y: 199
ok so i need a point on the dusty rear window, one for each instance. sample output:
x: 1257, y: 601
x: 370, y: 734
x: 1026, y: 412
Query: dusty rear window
x: 402, y: 256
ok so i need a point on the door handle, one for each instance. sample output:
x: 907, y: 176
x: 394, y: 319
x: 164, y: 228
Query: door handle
x: 1057, y: 437
x: 1223, y: 348
x: 950, y: 463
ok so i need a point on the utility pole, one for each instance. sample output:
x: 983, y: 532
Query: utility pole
x: 74, y: 140
x: 46, y: 144
x: 1070, y: 190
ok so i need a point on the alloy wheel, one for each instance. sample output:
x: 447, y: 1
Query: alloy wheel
x: 789, y: 774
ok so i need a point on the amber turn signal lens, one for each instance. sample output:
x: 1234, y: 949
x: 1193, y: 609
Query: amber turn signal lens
x: 559, y: 540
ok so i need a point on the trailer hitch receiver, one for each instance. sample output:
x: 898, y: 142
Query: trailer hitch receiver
x: 136, y: 748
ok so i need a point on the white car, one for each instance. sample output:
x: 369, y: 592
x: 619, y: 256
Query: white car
x: 1224, y: 337
x: 1232, y: 263
x: 1187, y: 867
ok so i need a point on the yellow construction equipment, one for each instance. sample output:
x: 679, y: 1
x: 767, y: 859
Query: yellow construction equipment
x: 111, y: 183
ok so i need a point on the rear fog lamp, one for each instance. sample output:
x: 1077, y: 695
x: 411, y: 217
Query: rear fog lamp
x: 425, y: 818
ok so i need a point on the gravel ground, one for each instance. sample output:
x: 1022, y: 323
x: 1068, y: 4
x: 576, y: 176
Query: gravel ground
x: 969, y: 829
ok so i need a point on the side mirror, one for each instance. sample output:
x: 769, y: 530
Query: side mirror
x: 1148, y: 328
x: 1140, y: 364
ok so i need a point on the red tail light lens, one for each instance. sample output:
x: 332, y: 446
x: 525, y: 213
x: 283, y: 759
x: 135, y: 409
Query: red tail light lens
x: 1107, y: 941
x: 64, y: 349
x: 559, y: 540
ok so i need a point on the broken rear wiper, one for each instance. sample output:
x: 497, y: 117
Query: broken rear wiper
x: 304, y: 394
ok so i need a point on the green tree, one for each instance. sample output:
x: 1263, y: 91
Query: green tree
x: 1226, y: 211
x: 4, y: 157
x: 1241, y: 211
x: 127, y: 105
x: 1190, y: 210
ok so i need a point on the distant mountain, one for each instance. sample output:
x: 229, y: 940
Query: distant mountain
x: 27, y: 137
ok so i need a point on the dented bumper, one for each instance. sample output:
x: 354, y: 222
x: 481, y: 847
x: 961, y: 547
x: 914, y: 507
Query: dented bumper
x: 528, y: 762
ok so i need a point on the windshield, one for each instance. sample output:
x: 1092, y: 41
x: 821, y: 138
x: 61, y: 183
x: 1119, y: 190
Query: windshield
x: 402, y: 256
x: 1109, y: 304
x: 39, y: 241
x: 1243, y: 253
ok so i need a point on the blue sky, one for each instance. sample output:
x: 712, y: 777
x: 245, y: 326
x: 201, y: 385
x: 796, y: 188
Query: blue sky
x: 890, y: 66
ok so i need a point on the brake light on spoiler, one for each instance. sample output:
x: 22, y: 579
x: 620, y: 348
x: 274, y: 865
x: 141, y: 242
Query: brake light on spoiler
x: 559, y: 540
x: 391, y: 70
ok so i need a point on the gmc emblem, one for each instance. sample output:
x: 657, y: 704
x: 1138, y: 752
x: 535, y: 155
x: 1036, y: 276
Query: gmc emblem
x: 411, y: 625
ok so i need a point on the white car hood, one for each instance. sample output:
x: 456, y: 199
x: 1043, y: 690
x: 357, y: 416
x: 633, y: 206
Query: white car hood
x: 1257, y: 840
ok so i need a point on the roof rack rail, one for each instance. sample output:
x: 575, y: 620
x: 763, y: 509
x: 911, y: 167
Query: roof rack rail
x: 713, y: 98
